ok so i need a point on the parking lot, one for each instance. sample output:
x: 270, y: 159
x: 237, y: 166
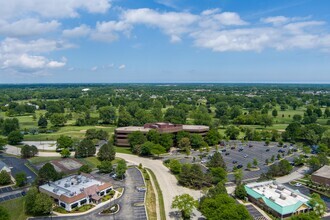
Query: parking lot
x: 9, y: 197
x: 256, y: 215
x: 235, y: 157
x: 18, y: 165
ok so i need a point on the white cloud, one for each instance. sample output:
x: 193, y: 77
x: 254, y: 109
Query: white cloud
x: 123, y: 66
x: 52, y: 8
x: 108, y: 31
x: 80, y: 31
x: 277, y: 20
x: 173, y: 24
x: 27, y: 27
x: 94, y: 68
x: 26, y: 56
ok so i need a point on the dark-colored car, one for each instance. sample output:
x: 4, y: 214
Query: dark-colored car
x: 285, y: 146
x: 239, y: 150
x: 234, y: 161
x: 227, y: 153
x: 239, y: 166
x: 224, y: 150
x: 233, y: 148
x: 267, y: 150
x: 250, y: 145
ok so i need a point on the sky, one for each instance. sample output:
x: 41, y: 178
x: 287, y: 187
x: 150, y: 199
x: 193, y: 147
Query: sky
x: 164, y: 41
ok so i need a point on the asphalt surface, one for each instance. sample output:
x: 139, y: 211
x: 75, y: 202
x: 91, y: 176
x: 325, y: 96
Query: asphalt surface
x: 255, y: 213
x: 258, y: 151
x: 18, y: 165
x: 127, y: 202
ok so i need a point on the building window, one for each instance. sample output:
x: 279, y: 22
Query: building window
x: 82, y: 202
x: 108, y: 190
x: 74, y: 205
x: 63, y: 204
x: 102, y: 193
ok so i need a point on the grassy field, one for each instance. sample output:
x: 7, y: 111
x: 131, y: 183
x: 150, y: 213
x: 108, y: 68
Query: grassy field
x: 16, y: 208
x: 124, y: 150
x: 151, y: 201
x: 37, y: 160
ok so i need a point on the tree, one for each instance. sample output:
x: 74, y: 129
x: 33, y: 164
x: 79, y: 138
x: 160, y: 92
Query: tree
x: 107, y: 152
x: 201, y: 116
x: 153, y: 136
x: 64, y: 142
x: 175, y: 116
x: 255, y: 162
x: 216, y: 190
x: 136, y: 139
x: 212, y: 137
x: 216, y: 161
x: 85, y: 169
x: 265, y: 120
x: 20, y: 179
x: 274, y: 113
x: 184, y: 144
x: 4, y: 178
x: 232, y: 132
x: 196, y: 141
x: 42, y: 122
x: 306, y: 216
x: 37, y: 203
x: 218, y: 175
x: 318, y: 205
x: 3, y: 143
x: 85, y: 148
x: 327, y: 112
x: 47, y: 173
x: 15, y: 137
x: 10, y: 125
x: 108, y: 114
x: 249, y: 166
x: 121, y: 168
x: 223, y: 206
x: 238, y: 174
x: 240, y: 192
x: 166, y: 140
x: 58, y: 119
x: 175, y: 166
x: 105, y: 166
x: 28, y: 151
x: 266, y: 161
x: 4, y: 214
x: 157, y: 149
x: 65, y: 153
x: 124, y: 119
x: 185, y: 203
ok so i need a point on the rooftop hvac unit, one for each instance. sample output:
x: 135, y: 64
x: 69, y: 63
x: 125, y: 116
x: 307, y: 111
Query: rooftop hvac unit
x: 71, y: 193
x: 271, y: 198
x: 277, y: 191
x: 293, y: 195
x: 280, y: 187
x: 282, y: 197
x: 59, y: 182
x: 55, y: 190
x: 67, y: 185
x: 81, y: 189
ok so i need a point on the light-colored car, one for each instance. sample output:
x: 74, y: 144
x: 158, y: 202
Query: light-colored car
x: 245, y: 156
x: 298, y: 184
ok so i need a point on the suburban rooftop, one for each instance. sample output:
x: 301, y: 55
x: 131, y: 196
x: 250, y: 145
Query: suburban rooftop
x: 278, y: 193
x: 71, y: 185
x: 323, y: 171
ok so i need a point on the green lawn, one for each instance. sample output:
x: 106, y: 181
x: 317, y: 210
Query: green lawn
x: 124, y: 150
x: 15, y: 208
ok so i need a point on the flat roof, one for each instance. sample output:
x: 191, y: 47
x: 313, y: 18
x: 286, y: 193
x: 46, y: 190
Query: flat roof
x: 282, y: 199
x: 133, y: 128
x: 195, y: 127
x: 71, y: 185
x: 323, y: 172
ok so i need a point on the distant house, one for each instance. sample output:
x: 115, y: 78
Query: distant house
x: 322, y: 176
x: 85, y: 89
x: 4, y: 167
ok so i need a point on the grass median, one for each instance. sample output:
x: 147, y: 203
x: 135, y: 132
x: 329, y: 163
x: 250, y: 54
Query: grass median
x: 160, y: 196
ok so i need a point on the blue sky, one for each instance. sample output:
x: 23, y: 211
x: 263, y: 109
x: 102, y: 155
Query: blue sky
x: 102, y: 41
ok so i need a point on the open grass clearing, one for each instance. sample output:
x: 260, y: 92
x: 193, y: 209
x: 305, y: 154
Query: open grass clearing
x: 15, y: 208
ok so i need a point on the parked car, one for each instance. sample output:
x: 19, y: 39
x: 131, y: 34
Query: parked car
x: 267, y: 150
x: 239, y: 166
x: 250, y: 145
x: 239, y: 150
x: 233, y: 148
x: 234, y: 161
x: 298, y: 184
x: 245, y: 156
x: 223, y: 150
x: 227, y: 153
x: 285, y: 146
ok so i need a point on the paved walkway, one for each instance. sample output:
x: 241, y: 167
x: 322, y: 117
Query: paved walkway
x: 293, y: 176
